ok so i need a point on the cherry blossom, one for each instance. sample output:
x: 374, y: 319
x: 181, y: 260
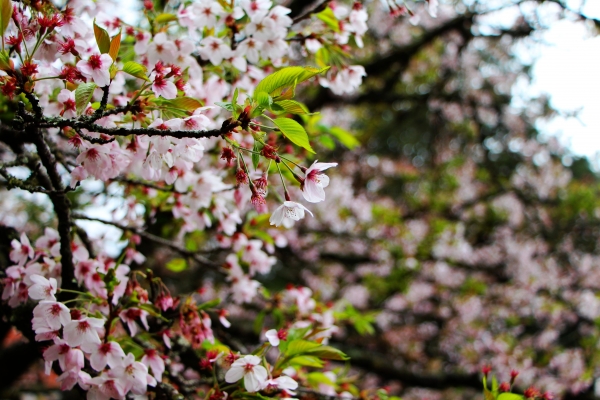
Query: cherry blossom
x: 109, y: 353
x: 83, y: 332
x: 97, y: 68
x: 42, y: 288
x: 287, y: 213
x: 248, y: 368
x: 315, y: 181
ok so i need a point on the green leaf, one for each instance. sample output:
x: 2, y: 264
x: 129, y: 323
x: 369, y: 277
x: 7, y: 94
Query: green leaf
x: 5, y: 64
x: 509, y: 396
x: 323, y: 57
x: 363, y: 327
x: 177, y: 265
x: 327, y: 141
x: 292, y: 106
x: 329, y: 353
x: 102, y: 38
x: 258, y: 322
x: 294, y: 132
x: 314, y: 378
x: 115, y: 45
x: 255, y: 156
x: 309, y: 72
x: 344, y: 137
x: 151, y: 308
x: 285, y: 77
x: 6, y: 10
x: 307, y: 361
x: 329, y: 18
x: 300, y: 346
x: 227, y: 106
x: 83, y: 95
x: 209, y: 304
x: 134, y: 69
x: 264, y: 100
x: 185, y: 103
x: 165, y: 18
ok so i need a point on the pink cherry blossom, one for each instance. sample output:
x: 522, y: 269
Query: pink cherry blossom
x: 103, y: 354
x: 50, y: 316
x: 315, y: 181
x: 154, y: 361
x: 22, y: 250
x: 163, y: 87
x: 133, y: 375
x: 83, y: 332
x: 96, y: 68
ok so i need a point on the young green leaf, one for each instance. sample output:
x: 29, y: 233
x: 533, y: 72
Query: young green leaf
x: 329, y: 18
x: 177, y: 265
x: 300, y: 346
x: 209, y: 304
x: 6, y: 10
x: 292, y: 106
x: 255, y: 157
x: 226, y: 106
x: 165, y: 18
x: 344, y: 137
x: 307, y: 361
x: 309, y: 72
x: 328, y: 352
x: 102, y: 38
x: 509, y: 396
x: 83, y: 95
x: 5, y: 63
x: 185, y: 103
x: 115, y: 45
x: 294, y: 132
x: 264, y: 100
x: 134, y: 69
x: 285, y: 77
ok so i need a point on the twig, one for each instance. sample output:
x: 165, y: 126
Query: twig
x: 318, y: 8
x: 156, y: 239
x: 228, y: 126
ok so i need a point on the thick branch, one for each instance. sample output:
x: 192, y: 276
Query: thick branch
x: 62, y: 209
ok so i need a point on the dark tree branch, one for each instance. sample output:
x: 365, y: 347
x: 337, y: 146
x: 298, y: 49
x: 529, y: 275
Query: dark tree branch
x: 156, y: 239
x: 62, y: 208
x: 316, y: 9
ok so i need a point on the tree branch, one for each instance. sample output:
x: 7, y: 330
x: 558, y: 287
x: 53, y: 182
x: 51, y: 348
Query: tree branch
x: 156, y: 239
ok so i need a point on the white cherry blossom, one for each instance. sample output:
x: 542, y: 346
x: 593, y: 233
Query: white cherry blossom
x: 287, y: 213
x: 248, y: 368
x: 315, y: 181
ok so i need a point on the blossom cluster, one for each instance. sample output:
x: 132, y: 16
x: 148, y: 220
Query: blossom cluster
x: 190, y: 113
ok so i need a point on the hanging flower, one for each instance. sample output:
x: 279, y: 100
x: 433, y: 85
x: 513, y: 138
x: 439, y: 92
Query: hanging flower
x: 287, y: 213
x: 315, y: 181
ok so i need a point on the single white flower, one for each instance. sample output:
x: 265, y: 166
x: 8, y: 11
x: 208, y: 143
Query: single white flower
x: 315, y: 181
x: 248, y: 368
x: 287, y: 213
x: 42, y: 288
